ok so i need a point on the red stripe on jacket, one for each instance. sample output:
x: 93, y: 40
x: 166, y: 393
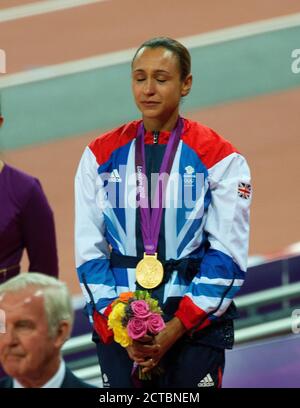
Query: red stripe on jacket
x: 208, y: 145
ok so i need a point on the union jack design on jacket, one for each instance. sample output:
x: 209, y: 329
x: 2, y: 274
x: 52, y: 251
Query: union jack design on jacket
x: 214, y: 229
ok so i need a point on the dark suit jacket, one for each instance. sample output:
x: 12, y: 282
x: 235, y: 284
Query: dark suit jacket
x: 70, y: 381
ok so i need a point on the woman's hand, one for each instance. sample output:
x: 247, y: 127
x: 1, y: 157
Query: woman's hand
x: 143, y: 350
x: 148, y: 351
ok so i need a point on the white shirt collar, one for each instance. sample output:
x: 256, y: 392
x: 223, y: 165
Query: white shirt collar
x: 54, y: 382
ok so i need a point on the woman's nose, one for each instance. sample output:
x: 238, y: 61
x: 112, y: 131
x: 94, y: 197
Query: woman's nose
x: 149, y: 87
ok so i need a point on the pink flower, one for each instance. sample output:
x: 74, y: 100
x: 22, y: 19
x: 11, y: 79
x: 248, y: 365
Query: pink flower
x: 140, y: 309
x: 155, y: 323
x: 136, y: 328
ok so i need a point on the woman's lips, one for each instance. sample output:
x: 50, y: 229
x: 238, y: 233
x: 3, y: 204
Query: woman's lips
x: 150, y: 103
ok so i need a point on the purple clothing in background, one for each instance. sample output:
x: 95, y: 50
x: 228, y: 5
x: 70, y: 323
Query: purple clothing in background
x: 26, y: 222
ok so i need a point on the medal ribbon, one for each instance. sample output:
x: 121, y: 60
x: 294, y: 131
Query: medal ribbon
x: 151, y: 220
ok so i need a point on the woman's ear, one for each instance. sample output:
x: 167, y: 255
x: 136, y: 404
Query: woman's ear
x: 186, y: 85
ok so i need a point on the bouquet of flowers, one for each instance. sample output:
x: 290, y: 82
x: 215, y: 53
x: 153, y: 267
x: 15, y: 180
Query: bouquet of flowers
x: 133, y: 315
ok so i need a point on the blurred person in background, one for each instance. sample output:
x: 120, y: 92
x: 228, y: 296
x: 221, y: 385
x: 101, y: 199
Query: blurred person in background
x: 199, y: 237
x: 37, y: 317
x: 26, y: 222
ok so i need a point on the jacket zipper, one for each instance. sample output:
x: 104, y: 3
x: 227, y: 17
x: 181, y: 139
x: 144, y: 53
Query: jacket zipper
x: 155, y: 136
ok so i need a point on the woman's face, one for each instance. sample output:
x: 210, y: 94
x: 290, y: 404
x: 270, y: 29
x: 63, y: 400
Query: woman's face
x: 156, y: 83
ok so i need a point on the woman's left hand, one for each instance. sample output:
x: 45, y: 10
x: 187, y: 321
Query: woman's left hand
x: 165, y: 339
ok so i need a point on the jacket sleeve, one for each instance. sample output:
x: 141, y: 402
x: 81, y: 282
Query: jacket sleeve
x: 91, y: 247
x: 222, y: 271
x: 38, y: 232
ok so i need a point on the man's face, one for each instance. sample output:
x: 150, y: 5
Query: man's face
x: 26, y: 347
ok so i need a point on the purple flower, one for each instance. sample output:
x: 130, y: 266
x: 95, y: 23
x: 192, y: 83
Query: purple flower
x: 140, y: 309
x: 155, y: 323
x: 136, y: 328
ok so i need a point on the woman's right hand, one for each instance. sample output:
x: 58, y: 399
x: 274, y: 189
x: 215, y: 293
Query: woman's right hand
x: 144, y: 349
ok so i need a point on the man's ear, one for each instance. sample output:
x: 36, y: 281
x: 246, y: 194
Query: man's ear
x: 186, y: 85
x: 62, y: 334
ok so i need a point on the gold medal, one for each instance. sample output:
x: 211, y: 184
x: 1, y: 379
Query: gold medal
x: 149, y: 271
